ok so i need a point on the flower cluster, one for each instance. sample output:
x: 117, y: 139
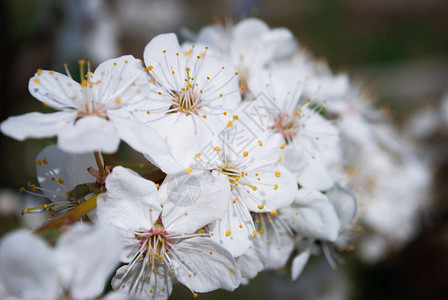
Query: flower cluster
x: 256, y: 151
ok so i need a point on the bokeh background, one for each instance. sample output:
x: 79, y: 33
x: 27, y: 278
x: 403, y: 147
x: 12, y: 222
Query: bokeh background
x: 399, y: 48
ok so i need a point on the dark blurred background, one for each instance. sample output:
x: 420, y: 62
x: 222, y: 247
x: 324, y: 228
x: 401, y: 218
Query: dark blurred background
x: 398, y: 47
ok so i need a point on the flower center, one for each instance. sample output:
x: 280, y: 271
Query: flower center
x: 231, y: 172
x: 187, y: 102
x: 286, y: 125
x: 155, y: 242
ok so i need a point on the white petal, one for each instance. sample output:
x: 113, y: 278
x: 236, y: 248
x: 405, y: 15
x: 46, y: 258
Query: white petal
x: 27, y: 269
x: 251, y: 263
x: 89, y: 134
x: 55, y: 89
x: 72, y: 168
x: 314, y: 215
x: 215, y: 36
x: 95, y: 251
x: 37, y: 125
x: 240, y: 238
x: 130, y: 203
x: 249, y: 28
x: 119, y: 81
x: 138, y: 135
x: 165, y: 62
x: 276, y: 189
x: 207, y: 266
x: 299, y: 263
x: 154, y: 286
x: 275, y: 244
x: 344, y: 203
x: 190, y: 135
x: 191, y: 201
x: 315, y: 175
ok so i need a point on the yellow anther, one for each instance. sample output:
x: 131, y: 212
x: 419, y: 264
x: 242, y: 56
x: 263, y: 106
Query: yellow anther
x: 39, y: 71
x: 275, y: 186
x: 60, y: 180
x: 204, y: 116
x: 229, y: 124
x: 220, y: 95
x: 197, y: 155
x: 189, y: 170
x: 260, y: 143
x: 22, y: 189
x: 189, y: 275
x: 45, y: 206
x: 277, y: 174
x: 124, y: 62
x: 147, y: 112
x: 33, y: 187
x: 117, y: 101
x: 143, y: 276
x: 245, y: 153
x: 224, y: 113
x: 164, y: 51
x: 202, y: 231
x: 39, y: 163
x: 24, y: 211
x: 274, y: 212
x: 282, y: 146
x: 160, y: 93
x: 187, y: 69
x: 279, y: 159
x: 242, y: 88
x: 36, y: 80
x: 261, y: 206
x: 241, y: 226
x: 235, y: 117
x: 196, y: 294
x: 234, y: 200
x: 45, y: 161
x: 51, y: 72
x: 151, y: 291
x: 228, y: 232
x: 217, y: 148
x: 150, y: 67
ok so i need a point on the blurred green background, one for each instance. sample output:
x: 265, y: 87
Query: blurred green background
x: 398, y: 47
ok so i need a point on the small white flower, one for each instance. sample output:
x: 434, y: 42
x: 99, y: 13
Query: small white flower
x: 250, y: 45
x: 308, y: 137
x: 191, y: 92
x: 78, y: 266
x: 166, y: 243
x: 257, y: 181
x: 93, y: 115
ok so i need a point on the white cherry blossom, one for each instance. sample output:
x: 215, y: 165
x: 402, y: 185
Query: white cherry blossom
x: 92, y: 115
x: 163, y: 243
x: 190, y: 93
